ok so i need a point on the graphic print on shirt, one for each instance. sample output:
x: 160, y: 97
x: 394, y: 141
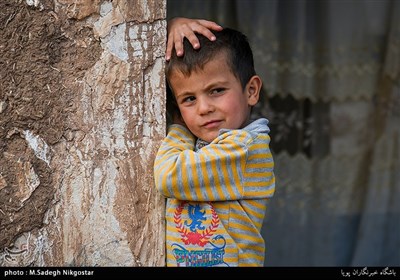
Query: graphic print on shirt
x: 201, y: 244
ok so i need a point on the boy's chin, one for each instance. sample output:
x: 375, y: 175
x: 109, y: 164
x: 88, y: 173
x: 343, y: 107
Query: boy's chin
x: 207, y: 138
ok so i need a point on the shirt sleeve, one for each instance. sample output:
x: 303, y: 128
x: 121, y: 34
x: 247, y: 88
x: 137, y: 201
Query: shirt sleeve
x: 214, y: 173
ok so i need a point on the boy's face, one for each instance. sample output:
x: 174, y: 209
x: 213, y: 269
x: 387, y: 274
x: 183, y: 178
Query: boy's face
x: 212, y: 98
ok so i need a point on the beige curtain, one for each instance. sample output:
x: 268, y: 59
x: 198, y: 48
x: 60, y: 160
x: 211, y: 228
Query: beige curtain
x: 331, y: 72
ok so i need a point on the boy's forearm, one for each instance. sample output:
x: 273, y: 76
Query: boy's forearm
x: 216, y: 172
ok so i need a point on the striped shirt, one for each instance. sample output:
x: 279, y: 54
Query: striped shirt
x: 216, y: 195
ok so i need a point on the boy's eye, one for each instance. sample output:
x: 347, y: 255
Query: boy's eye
x: 188, y: 99
x: 217, y: 90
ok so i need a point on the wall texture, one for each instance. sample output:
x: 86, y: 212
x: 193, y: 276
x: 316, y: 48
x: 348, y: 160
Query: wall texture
x: 81, y: 117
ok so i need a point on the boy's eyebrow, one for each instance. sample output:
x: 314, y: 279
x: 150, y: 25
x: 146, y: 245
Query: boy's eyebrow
x: 208, y: 87
x: 215, y: 84
x: 183, y: 94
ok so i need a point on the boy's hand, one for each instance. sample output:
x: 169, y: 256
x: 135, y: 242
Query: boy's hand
x: 179, y: 28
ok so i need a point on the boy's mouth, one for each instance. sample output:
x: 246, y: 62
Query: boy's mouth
x: 212, y: 124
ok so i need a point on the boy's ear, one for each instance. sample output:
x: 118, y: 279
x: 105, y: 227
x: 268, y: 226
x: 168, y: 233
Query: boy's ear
x: 253, y: 89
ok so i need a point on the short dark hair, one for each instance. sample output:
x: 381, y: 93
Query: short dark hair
x: 234, y: 43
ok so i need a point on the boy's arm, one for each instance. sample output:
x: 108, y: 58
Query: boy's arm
x: 216, y: 172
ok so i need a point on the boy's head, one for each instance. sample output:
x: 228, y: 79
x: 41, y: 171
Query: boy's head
x: 216, y: 85
x: 229, y: 41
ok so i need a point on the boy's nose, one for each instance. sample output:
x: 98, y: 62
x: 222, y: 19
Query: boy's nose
x: 204, y: 106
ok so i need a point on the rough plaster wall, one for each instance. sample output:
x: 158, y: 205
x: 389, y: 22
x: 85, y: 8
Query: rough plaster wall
x: 92, y: 178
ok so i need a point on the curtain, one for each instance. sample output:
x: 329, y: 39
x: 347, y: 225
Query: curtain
x: 331, y: 90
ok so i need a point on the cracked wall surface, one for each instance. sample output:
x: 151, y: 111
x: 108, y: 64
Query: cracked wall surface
x: 81, y: 117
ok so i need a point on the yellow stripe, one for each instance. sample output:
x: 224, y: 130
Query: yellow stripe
x: 260, y: 165
x: 269, y: 182
x: 230, y: 260
x: 258, y: 214
x: 176, y: 129
x: 255, y: 247
x: 217, y: 181
x: 247, y: 265
x: 207, y: 182
x: 174, y: 183
x: 194, y: 177
x: 163, y: 184
x: 161, y: 170
x: 185, y: 182
x: 171, y: 209
x: 259, y: 257
x: 231, y: 251
x: 255, y: 203
x: 236, y: 225
x: 225, y: 174
x: 241, y: 217
x: 261, y: 155
x: 241, y: 136
x: 245, y: 239
x: 258, y: 175
x: 235, y: 172
x: 259, y: 146
x: 171, y: 257
x: 267, y: 193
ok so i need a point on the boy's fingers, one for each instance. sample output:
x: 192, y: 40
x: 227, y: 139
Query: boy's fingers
x: 178, y: 46
x: 174, y: 42
x: 189, y: 29
x: 207, y: 33
x: 188, y: 32
x: 209, y: 25
x: 191, y: 32
x: 170, y: 46
x: 194, y: 41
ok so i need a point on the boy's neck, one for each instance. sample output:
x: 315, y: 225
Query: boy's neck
x: 200, y: 143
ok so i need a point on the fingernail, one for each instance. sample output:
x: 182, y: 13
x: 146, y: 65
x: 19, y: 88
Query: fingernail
x: 213, y: 38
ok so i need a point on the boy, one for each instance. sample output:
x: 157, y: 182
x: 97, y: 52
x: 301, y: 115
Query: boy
x: 215, y: 166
